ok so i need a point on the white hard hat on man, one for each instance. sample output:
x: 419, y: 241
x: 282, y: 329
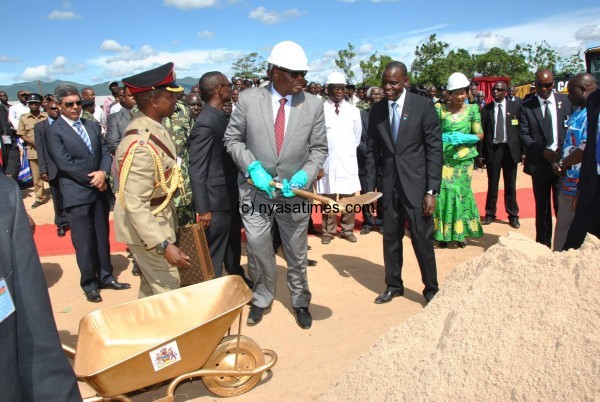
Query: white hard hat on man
x: 290, y: 55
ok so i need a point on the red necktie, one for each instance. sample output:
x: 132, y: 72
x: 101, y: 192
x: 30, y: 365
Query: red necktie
x: 280, y: 124
x: 337, y: 108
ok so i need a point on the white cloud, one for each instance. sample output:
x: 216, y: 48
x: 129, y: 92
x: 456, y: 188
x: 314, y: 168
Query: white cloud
x: 44, y: 72
x: 131, y: 55
x: 364, y: 49
x: 206, y: 34
x: 588, y: 33
x: 190, y: 4
x: 272, y: 17
x: 490, y: 40
x: 63, y: 15
x: 8, y: 59
x: 110, y: 45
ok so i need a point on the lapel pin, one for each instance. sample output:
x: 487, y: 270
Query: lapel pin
x: 559, y: 104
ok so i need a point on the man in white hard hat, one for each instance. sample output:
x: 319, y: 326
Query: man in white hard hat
x: 344, y: 129
x: 278, y: 133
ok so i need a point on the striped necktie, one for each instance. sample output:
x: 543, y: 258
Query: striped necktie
x: 83, y: 134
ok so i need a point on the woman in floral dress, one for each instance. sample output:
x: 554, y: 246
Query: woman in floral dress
x: 456, y: 215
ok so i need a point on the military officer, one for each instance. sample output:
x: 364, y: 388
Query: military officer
x: 179, y: 126
x: 145, y: 217
x: 25, y: 130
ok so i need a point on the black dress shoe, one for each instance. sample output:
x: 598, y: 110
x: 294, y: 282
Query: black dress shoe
x: 487, y: 220
x: 514, y: 223
x: 461, y: 244
x: 388, y: 295
x: 36, y: 204
x: 442, y: 244
x: 255, y: 315
x: 61, y: 232
x: 115, y: 285
x: 429, y: 297
x: 311, y: 263
x: 93, y: 296
x: 135, y: 270
x: 365, y: 230
x: 303, y: 317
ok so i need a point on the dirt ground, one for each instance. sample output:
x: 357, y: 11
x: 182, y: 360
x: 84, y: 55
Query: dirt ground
x: 344, y: 284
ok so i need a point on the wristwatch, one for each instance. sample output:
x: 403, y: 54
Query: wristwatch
x: 162, y: 247
x: 432, y: 193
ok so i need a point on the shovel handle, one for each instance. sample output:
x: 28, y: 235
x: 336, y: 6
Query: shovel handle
x: 306, y: 194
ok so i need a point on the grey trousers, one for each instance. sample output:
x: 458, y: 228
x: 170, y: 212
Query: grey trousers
x: 346, y: 221
x: 563, y: 221
x: 261, y: 257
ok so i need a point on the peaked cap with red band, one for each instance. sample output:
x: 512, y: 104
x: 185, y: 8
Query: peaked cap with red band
x: 162, y: 77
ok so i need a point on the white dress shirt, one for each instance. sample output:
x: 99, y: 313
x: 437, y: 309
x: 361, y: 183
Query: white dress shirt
x: 400, y: 103
x: 496, y: 108
x: 553, y: 111
x: 275, y: 97
x: 15, y: 112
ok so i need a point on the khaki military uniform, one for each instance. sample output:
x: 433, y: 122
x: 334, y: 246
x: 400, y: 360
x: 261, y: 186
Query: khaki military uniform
x: 179, y: 126
x: 25, y: 130
x: 144, y: 213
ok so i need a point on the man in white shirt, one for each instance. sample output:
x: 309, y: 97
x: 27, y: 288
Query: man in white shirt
x: 19, y: 109
x: 344, y: 129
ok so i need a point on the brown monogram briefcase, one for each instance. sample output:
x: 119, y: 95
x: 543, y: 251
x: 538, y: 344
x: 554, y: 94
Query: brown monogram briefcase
x: 192, y: 241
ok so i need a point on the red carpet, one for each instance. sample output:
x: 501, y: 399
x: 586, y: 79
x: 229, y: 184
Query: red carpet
x: 48, y: 243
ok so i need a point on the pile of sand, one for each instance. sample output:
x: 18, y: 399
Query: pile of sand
x: 516, y: 323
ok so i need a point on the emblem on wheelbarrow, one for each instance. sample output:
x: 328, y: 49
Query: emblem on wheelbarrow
x: 165, y: 355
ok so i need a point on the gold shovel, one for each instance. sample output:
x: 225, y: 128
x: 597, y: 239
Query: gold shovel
x: 343, y: 206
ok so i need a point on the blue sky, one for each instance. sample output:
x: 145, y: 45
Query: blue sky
x: 100, y: 40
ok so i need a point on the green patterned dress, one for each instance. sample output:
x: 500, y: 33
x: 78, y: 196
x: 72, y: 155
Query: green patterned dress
x: 456, y: 215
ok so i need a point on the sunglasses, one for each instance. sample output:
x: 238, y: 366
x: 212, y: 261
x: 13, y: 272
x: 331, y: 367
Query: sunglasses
x: 195, y: 104
x: 71, y: 104
x: 52, y: 108
x: 293, y: 74
x: 498, y: 89
x: 547, y: 86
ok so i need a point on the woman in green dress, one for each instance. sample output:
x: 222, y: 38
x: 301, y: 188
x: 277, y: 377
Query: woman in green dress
x: 456, y: 215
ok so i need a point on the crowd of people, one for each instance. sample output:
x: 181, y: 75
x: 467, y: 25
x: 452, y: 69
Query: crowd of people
x: 163, y: 160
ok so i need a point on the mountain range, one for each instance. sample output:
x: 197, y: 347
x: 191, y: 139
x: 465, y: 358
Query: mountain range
x: 48, y: 87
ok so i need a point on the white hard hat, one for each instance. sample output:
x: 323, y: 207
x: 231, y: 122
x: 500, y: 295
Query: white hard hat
x: 290, y: 55
x: 336, y: 78
x: 457, y: 81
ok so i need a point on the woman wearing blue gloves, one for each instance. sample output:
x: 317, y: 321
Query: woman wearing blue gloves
x: 456, y: 215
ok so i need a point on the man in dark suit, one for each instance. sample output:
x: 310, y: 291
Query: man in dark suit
x: 34, y: 367
x: 405, y: 140
x: 542, y: 132
x: 9, y: 152
x: 118, y: 122
x: 82, y: 161
x: 587, y: 212
x: 212, y: 172
x: 48, y: 170
x: 502, y: 151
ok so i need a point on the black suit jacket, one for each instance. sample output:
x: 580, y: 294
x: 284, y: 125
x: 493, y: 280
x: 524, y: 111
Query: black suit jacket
x: 588, y: 174
x: 34, y: 367
x: 47, y: 165
x: 213, y: 173
x: 361, y: 150
x: 532, y: 137
x: 416, y: 160
x: 488, y: 124
x: 74, y: 161
x: 115, y: 128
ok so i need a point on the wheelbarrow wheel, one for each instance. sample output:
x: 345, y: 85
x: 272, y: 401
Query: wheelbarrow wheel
x: 249, y: 356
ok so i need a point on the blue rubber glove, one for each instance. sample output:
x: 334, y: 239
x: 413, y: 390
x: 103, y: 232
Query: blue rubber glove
x: 260, y: 177
x: 286, y: 190
x: 299, y: 179
x: 447, y: 137
x: 460, y: 138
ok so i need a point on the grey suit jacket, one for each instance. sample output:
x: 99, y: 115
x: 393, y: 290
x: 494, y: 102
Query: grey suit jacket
x: 34, y: 367
x: 115, y: 128
x: 250, y: 136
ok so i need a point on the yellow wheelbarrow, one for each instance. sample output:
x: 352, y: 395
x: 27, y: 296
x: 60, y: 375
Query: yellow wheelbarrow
x: 176, y: 336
